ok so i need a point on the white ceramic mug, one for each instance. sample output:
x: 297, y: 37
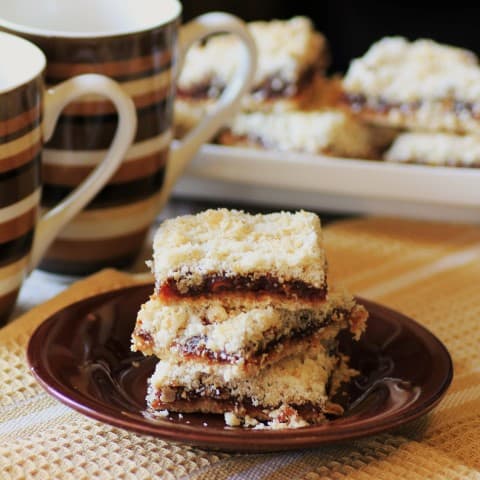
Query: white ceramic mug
x: 28, y: 115
x: 141, y: 44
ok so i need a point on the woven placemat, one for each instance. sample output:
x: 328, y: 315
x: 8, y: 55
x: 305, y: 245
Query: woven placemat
x: 429, y: 271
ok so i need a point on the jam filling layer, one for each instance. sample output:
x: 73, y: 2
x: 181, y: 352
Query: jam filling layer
x: 264, y: 284
x: 220, y: 400
x: 195, y: 347
x: 271, y: 88
x: 359, y: 102
x: 309, y: 411
x: 185, y: 401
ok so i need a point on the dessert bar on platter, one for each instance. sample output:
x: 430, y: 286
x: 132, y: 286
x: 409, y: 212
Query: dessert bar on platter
x: 420, y: 85
x: 327, y: 132
x: 290, y: 54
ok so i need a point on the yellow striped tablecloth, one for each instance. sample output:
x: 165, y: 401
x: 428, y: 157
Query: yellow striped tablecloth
x: 429, y: 271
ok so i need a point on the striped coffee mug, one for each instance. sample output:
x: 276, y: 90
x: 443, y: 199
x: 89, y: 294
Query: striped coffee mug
x: 28, y: 116
x: 140, y: 44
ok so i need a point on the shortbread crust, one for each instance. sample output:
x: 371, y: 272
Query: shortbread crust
x: 440, y: 149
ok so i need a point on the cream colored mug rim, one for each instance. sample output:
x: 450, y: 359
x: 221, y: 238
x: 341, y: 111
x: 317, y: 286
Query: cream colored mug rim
x: 20, y: 62
x: 144, y: 15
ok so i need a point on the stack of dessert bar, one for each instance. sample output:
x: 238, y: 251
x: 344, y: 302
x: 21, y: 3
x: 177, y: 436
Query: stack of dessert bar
x: 242, y: 319
x: 429, y: 90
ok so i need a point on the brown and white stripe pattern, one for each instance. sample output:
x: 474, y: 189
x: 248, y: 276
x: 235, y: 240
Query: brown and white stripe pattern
x: 111, y: 230
x: 20, y: 155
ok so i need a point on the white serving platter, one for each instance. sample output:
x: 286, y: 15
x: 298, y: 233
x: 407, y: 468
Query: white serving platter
x: 351, y: 186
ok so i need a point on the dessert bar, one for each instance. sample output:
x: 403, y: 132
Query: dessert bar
x: 239, y: 342
x: 293, y: 392
x: 416, y: 85
x: 290, y: 54
x: 228, y: 253
x: 328, y: 132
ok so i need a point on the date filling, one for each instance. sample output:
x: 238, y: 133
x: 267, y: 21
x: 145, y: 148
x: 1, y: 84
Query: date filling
x: 273, y: 87
x: 359, y: 102
x: 195, y: 347
x: 263, y: 284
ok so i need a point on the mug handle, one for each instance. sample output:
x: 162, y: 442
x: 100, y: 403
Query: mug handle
x: 56, y: 99
x: 226, y: 106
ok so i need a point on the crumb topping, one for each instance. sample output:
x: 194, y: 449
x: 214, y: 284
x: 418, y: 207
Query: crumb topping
x: 288, y: 246
x: 396, y: 70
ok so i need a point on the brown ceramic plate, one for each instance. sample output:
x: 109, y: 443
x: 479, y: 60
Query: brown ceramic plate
x: 81, y: 355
